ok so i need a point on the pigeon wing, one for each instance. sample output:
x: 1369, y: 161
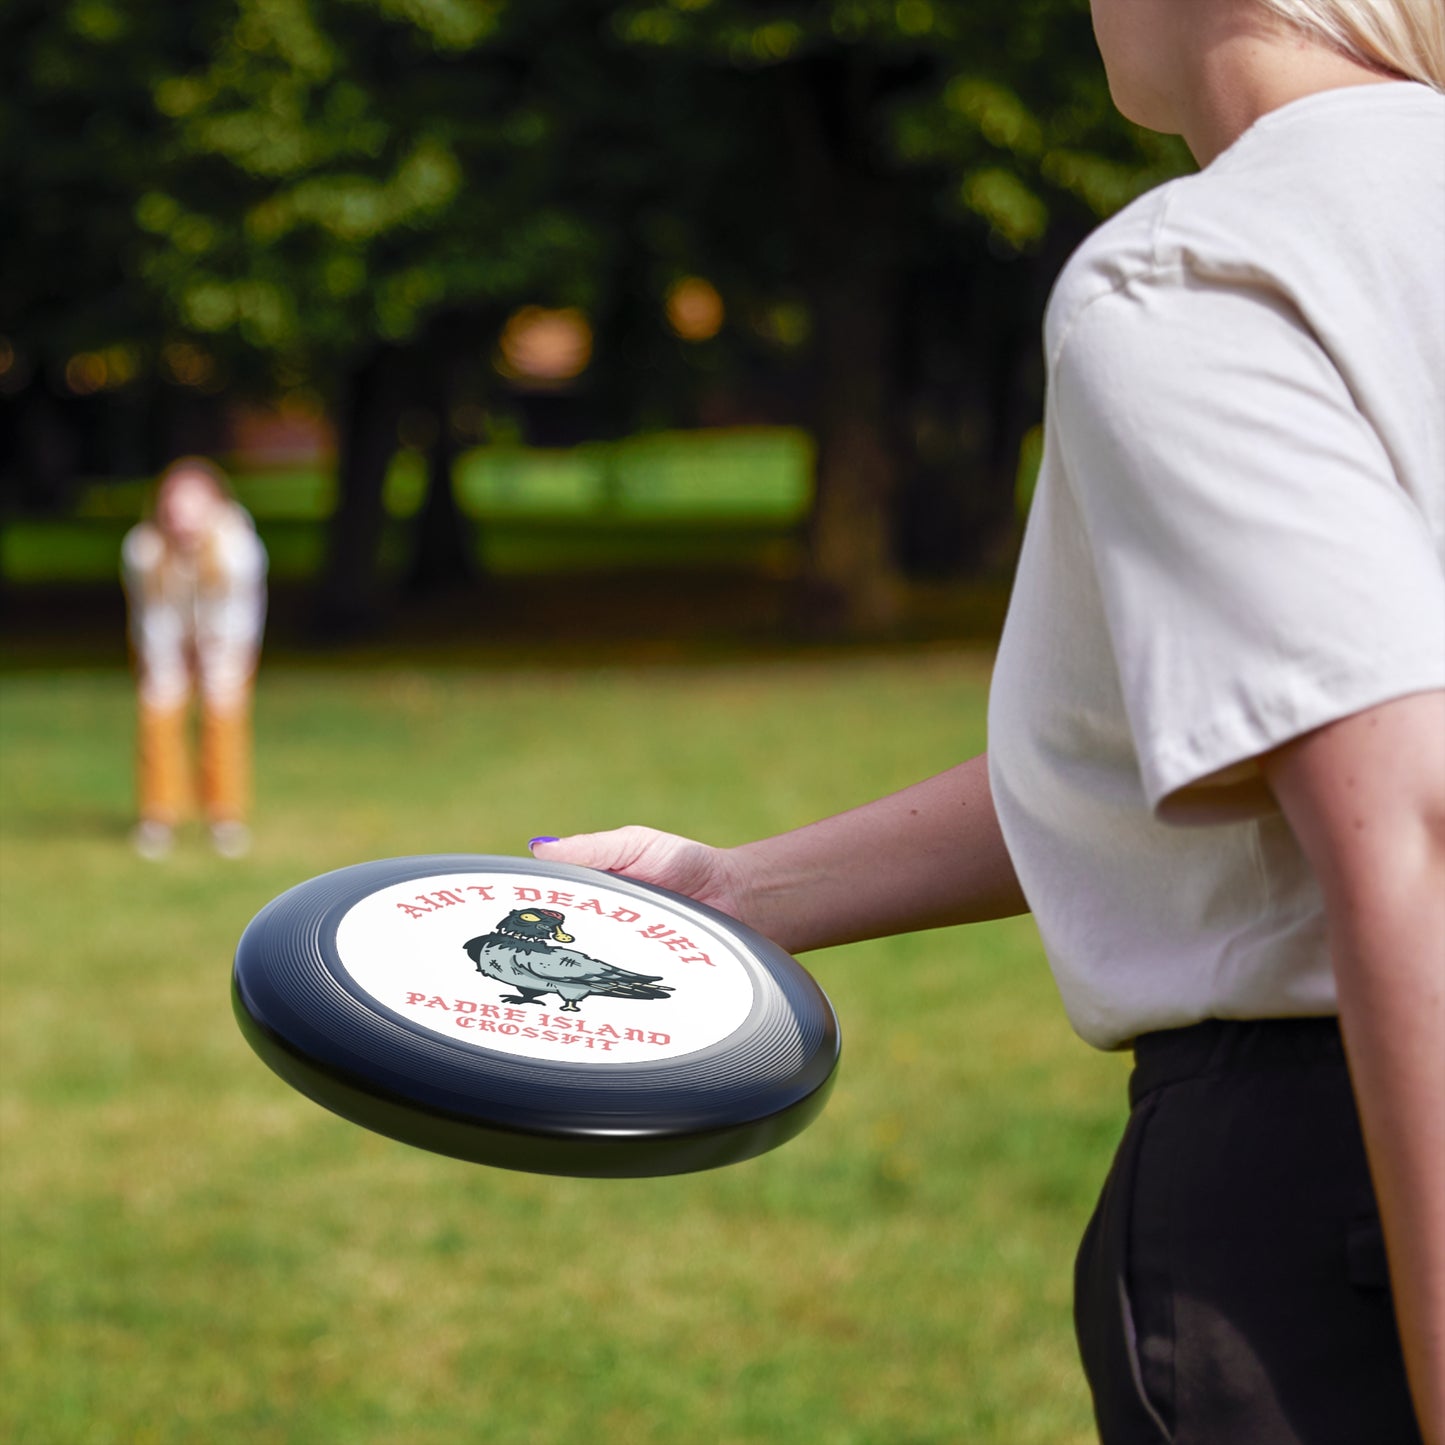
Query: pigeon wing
x: 565, y: 965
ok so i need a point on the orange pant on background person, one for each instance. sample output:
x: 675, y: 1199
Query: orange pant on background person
x: 168, y: 789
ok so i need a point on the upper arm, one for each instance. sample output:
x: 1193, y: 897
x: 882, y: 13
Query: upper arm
x: 1365, y: 797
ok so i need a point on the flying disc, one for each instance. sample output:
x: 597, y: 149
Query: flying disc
x: 535, y: 1016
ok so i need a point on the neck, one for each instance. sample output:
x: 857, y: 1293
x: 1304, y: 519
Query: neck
x: 1246, y: 66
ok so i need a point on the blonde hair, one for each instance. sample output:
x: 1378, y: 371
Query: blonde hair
x: 1404, y: 37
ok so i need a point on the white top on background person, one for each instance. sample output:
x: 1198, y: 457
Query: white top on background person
x: 195, y: 579
x: 1273, y: 505
x: 1238, y: 536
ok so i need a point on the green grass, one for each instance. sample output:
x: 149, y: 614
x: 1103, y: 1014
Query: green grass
x: 193, y: 1253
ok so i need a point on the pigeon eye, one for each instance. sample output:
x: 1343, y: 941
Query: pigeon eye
x: 530, y: 918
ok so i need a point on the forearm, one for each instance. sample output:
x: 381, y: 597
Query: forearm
x: 929, y: 856
x: 1390, y: 970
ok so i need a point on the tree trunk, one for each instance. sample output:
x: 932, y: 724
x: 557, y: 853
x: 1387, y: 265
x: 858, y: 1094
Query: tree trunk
x: 851, y: 554
x: 442, y: 558
x: 851, y: 266
x: 349, y: 601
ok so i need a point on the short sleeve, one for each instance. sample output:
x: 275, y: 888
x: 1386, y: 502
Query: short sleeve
x: 1263, y: 571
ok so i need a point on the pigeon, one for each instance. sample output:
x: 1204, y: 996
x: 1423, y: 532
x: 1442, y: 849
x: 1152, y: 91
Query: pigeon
x: 523, y: 951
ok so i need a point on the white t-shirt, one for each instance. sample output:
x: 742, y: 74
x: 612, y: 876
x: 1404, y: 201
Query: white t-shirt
x: 195, y: 620
x: 1238, y: 536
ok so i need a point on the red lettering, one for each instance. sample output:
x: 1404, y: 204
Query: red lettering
x: 527, y: 895
x: 659, y: 1039
x: 700, y: 958
x: 507, y: 1029
x: 412, y: 911
x: 589, y: 905
x: 635, y: 1036
x: 550, y: 1037
x: 437, y: 1001
x: 482, y: 892
x: 655, y: 930
x: 444, y: 898
x: 486, y: 1026
x: 625, y: 915
x: 490, y: 1010
x: 529, y: 1033
x: 571, y: 1039
x: 678, y: 944
x: 514, y: 1015
x: 609, y: 1031
x: 464, y: 1022
x: 554, y: 897
x: 415, y: 997
x: 464, y: 1005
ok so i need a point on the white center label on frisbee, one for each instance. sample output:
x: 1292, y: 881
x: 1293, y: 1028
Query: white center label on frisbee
x: 516, y: 964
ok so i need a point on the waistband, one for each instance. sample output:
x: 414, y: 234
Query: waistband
x: 1225, y: 1046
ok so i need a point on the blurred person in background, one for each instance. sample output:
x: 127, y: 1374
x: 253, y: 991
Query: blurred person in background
x: 1216, y: 767
x: 195, y: 583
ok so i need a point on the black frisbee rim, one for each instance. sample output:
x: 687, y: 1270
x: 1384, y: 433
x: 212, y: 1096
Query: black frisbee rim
x: 314, y: 1026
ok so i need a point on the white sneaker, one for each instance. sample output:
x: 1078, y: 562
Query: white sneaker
x: 152, y: 840
x: 231, y: 839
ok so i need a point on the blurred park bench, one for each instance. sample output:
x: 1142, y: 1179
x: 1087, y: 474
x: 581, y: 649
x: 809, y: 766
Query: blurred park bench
x: 730, y: 498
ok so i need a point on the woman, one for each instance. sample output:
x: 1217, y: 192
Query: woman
x: 1217, y: 759
x: 195, y: 583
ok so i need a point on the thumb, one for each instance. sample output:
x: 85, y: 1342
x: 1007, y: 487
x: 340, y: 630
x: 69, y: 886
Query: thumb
x: 611, y: 851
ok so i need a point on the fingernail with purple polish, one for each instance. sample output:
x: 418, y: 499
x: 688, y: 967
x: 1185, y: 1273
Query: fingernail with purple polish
x: 533, y: 843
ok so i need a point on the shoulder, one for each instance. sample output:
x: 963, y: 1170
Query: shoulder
x: 1115, y: 256
x: 142, y: 549
x: 1335, y: 188
x: 239, y: 548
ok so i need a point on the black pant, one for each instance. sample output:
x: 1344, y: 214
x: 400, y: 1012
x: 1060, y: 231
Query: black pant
x: 1231, y: 1288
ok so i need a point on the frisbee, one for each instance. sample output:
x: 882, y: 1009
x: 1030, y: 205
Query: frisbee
x: 535, y: 1016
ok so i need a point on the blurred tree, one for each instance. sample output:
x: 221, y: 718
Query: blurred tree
x: 367, y: 189
x: 79, y: 139
x: 926, y: 164
x: 355, y: 194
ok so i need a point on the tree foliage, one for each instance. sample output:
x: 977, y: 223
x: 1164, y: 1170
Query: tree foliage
x: 353, y: 194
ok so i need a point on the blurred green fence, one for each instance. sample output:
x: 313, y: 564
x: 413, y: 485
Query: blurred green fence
x: 733, y: 497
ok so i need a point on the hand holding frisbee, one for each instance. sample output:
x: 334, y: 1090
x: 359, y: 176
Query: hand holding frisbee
x: 696, y: 870
x: 535, y: 1015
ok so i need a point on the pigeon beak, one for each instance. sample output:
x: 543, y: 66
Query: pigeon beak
x: 560, y: 936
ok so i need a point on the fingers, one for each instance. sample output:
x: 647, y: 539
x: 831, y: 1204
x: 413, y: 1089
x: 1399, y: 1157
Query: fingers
x: 665, y: 859
x: 612, y: 852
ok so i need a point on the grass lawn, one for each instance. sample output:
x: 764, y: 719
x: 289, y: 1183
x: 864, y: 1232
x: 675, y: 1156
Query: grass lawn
x: 193, y: 1253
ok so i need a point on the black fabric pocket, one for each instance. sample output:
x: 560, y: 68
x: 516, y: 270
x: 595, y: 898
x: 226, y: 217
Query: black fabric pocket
x: 1365, y: 1260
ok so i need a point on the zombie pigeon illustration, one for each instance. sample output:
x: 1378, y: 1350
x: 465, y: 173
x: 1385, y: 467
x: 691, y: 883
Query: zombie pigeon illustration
x: 525, y: 952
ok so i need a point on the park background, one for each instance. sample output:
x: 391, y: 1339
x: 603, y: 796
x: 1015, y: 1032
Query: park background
x: 639, y: 402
